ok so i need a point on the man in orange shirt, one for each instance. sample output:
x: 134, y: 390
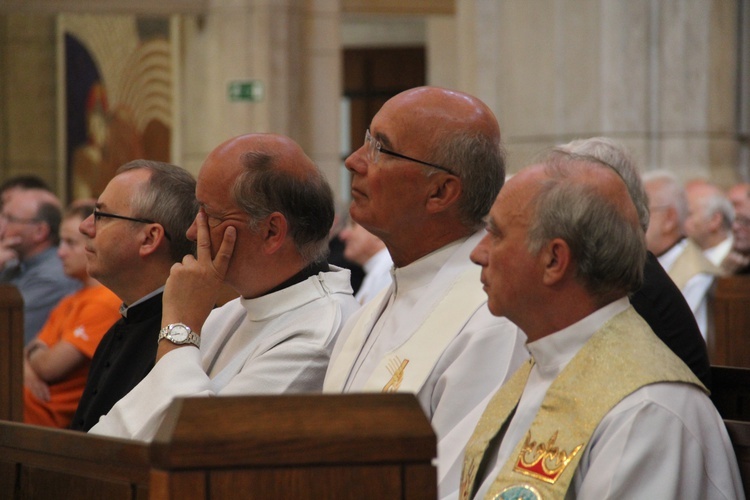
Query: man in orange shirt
x: 56, y: 363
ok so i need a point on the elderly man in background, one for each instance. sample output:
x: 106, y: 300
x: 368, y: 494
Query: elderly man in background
x: 423, y: 181
x: 737, y: 260
x: 603, y: 409
x: 30, y: 230
x: 133, y: 238
x: 658, y: 300
x: 367, y: 250
x: 683, y: 259
x: 709, y: 220
x: 255, y: 233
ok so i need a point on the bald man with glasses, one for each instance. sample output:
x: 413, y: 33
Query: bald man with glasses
x: 29, y: 231
x: 423, y: 181
x: 135, y: 235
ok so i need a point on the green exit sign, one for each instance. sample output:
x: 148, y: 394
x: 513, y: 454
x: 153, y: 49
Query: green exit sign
x: 245, y: 90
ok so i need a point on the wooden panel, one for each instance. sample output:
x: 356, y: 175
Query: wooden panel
x: 420, y: 481
x: 43, y: 484
x: 730, y: 344
x: 178, y: 485
x: 11, y: 354
x: 294, y: 430
x: 71, y: 460
x: 739, y: 433
x: 310, y: 483
x: 372, y: 76
x: 730, y: 391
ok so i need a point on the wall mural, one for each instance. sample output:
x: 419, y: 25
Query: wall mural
x: 118, y: 95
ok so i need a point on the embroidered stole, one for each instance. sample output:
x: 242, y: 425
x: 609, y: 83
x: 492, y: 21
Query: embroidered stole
x: 623, y: 356
x: 407, y: 367
x: 690, y: 262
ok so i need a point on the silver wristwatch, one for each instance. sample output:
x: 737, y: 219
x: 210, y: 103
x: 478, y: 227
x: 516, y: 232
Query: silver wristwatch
x: 179, y: 333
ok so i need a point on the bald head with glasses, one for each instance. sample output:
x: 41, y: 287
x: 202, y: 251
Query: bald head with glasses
x: 428, y: 171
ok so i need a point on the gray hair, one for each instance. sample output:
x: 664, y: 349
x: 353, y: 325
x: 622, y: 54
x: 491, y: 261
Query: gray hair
x: 169, y: 199
x: 718, y: 203
x: 306, y: 201
x: 672, y: 189
x: 619, y: 158
x: 479, y: 161
x: 608, y: 250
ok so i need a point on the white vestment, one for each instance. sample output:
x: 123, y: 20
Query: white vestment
x: 696, y: 289
x: 277, y: 343
x: 377, y: 276
x: 718, y: 253
x: 478, y: 357
x: 665, y: 440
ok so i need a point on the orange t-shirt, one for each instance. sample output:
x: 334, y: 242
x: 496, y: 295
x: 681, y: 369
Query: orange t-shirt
x: 81, y: 319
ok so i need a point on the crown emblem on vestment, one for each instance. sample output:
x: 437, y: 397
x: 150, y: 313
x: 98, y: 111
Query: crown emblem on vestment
x: 544, y: 461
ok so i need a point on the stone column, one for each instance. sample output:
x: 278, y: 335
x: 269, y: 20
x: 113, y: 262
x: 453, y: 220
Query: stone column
x: 291, y: 47
x: 658, y: 75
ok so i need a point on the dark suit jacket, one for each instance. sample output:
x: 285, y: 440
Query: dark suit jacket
x: 664, y: 308
x: 123, y: 358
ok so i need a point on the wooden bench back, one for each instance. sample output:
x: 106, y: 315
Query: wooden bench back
x: 11, y: 353
x: 270, y: 447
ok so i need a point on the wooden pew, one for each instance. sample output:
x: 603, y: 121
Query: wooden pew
x: 730, y: 391
x: 11, y: 353
x: 729, y: 345
x: 739, y: 433
x: 267, y: 447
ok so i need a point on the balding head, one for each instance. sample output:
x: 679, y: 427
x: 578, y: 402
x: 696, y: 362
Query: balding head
x: 32, y: 218
x: 459, y: 132
x: 266, y: 173
x: 587, y: 204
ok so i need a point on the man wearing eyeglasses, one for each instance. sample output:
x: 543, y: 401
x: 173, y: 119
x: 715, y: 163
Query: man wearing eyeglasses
x: 423, y: 181
x: 263, y: 226
x: 135, y: 235
x: 30, y: 222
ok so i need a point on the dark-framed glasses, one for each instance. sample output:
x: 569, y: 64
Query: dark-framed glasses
x: 98, y: 215
x: 374, y: 148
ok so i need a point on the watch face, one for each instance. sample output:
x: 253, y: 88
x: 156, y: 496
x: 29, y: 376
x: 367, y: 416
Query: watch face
x: 179, y: 333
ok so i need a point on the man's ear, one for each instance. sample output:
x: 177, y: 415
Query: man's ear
x: 150, y: 239
x: 274, y: 230
x: 445, y: 190
x: 41, y: 232
x: 556, y: 259
x: 715, y: 221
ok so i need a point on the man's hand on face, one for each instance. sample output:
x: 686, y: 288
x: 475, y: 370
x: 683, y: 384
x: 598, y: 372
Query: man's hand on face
x: 193, y: 286
x: 7, y: 251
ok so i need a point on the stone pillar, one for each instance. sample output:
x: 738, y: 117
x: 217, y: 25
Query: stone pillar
x: 291, y: 47
x: 658, y: 75
x: 28, y: 97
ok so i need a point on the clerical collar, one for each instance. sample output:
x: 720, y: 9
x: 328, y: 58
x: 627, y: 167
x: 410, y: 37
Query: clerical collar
x: 125, y: 307
x: 311, y: 270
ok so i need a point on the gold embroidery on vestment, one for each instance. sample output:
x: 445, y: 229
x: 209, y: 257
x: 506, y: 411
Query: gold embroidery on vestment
x: 543, y: 461
x: 396, y: 368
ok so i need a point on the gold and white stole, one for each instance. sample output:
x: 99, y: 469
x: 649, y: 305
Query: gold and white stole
x: 623, y: 356
x: 406, y: 368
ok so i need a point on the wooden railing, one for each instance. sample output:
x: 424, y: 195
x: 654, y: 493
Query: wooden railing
x: 11, y: 353
x: 268, y: 447
x: 729, y: 345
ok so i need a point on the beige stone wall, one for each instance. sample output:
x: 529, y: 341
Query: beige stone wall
x: 28, y: 97
x: 658, y: 75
